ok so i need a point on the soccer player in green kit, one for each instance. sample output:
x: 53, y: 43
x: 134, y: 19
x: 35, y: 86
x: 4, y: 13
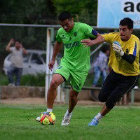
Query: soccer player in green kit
x: 74, y: 64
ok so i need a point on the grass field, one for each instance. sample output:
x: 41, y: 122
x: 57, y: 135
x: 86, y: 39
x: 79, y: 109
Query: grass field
x: 17, y: 122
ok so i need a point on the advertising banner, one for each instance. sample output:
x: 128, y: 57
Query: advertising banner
x: 110, y: 12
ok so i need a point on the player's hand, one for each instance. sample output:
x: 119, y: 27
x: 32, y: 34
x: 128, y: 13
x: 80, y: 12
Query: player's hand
x: 12, y: 41
x: 51, y: 64
x: 87, y: 42
x: 117, y: 48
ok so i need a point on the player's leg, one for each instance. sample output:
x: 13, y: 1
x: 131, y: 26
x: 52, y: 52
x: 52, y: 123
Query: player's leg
x: 61, y: 74
x: 125, y: 84
x: 108, y: 86
x: 72, y: 103
x: 110, y: 103
x: 77, y: 82
x: 72, y: 100
x: 57, y: 79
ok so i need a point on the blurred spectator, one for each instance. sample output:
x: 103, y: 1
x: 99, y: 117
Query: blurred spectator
x: 100, y: 65
x: 15, y: 70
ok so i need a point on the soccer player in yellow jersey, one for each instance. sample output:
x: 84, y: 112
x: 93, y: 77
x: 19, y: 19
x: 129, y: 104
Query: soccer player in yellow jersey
x: 124, y: 61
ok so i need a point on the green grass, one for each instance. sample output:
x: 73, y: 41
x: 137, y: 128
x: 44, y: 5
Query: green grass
x: 17, y: 122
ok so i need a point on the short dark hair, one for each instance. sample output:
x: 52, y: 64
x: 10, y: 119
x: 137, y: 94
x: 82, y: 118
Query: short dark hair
x: 105, y: 48
x: 127, y: 22
x: 64, y: 15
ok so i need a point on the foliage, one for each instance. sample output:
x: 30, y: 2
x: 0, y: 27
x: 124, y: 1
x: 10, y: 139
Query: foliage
x: 45, y: 11
x: 32, y: 80
x: 84, y: 11
x: 3, y: 79
x: 31, y: 12
x: 18, y: 122
x: 26, y: 80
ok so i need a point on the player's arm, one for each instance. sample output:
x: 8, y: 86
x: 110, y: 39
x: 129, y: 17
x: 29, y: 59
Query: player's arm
x: 95, y: 37
x: 132, y: 53
x: 56, y: 49
x: 99, y: 39
x: 129, y: 58
x: 9, y: 45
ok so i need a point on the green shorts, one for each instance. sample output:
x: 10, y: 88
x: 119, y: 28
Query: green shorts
x: 77, y: 78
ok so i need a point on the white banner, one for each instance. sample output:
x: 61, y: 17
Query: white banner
x: 110, y: 12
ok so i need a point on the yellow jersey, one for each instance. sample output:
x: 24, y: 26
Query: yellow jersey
x: 116, y: 62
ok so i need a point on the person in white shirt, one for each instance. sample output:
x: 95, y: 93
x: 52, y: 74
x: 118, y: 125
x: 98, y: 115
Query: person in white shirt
x: 16, y: 59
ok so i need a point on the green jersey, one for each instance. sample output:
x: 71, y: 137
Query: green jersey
x: 76, y: 55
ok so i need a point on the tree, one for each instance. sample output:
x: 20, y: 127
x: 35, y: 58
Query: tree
x: 83, y: 10
x: 27, y: 11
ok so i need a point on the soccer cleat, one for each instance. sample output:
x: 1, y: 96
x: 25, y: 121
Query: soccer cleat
x: 42, y: 115
x: 66, y: 119
x: 94, y: 122
x: 38, y: 118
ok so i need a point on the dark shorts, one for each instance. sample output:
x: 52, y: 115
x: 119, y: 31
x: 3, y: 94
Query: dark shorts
x: 114, y: 87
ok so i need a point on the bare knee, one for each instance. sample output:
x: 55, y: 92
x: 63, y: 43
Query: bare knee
x: 54, y: 84
x: 57, y: 79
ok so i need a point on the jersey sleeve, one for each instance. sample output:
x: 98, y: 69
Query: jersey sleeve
x: 89, y: 31
x: 134, y: 48
x: 58, y: 38
x: 109, y: 37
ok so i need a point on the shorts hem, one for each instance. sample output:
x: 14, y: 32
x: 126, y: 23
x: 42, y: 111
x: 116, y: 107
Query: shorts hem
x: 65, y: 79
x: 76, y: 89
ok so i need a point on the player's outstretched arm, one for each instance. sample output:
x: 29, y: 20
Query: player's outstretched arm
x: 90, y: 42
x: 56, y: 49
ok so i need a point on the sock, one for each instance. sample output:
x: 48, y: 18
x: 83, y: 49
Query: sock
x: 49, y: 109
x: 98, y: 116
x: 68, y: 113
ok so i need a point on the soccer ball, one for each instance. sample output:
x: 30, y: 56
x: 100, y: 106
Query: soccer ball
x: 47, y: 118
x: 45, y: 121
